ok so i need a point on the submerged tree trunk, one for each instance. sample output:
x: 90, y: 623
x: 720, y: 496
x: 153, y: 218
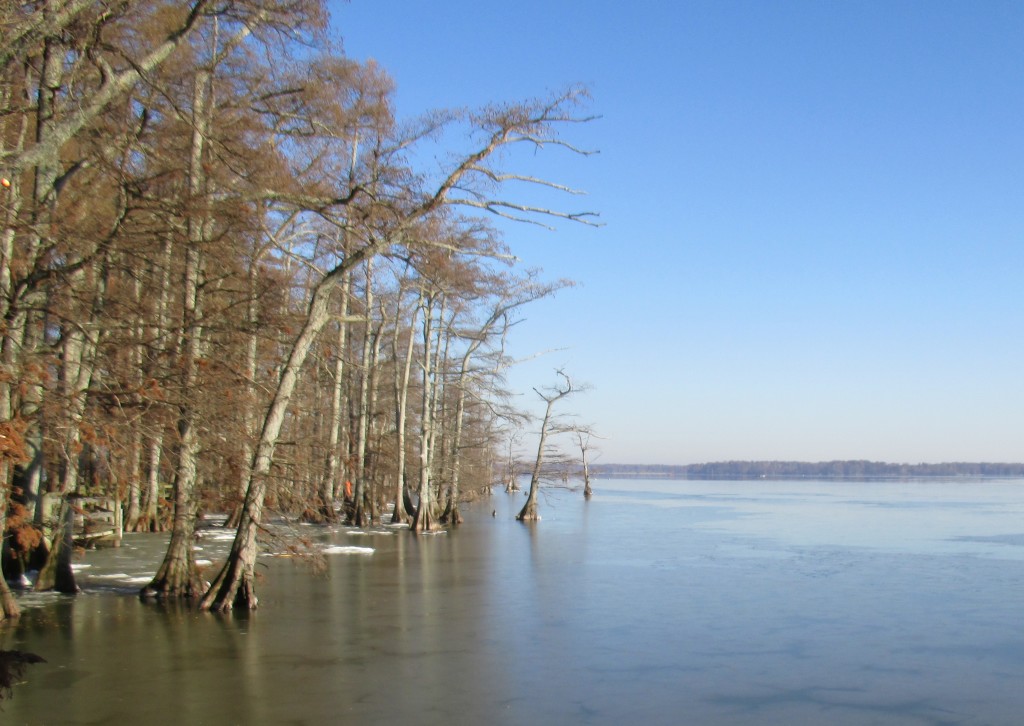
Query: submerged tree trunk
x: 57, y: 574
x: 583, y: 440
x: 149, y: 514
x: 329, y: 485
x: 453, y: 515
x: 80, y: 345
x: 177, y: 575
x: 133, y: 508
x: 425, y: 519
x: 234, y: 585
x: 529, y: 511
x: 362, y: 510
x: 401, y: 513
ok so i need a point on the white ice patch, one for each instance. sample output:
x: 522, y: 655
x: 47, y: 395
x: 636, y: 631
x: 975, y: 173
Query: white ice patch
x: 124, y: 577
x: 204, y: 563
x: 365, y: 532
x: 79, y: 567
x: 224, y: 536
x: 342, y: 550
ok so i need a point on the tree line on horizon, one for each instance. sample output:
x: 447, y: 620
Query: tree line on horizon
x: 231, y: 279
x: 841, y: 469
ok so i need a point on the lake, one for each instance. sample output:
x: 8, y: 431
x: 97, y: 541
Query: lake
x: 657, y: 602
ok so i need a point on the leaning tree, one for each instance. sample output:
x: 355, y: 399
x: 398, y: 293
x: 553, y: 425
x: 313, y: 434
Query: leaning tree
x: 550, y: 396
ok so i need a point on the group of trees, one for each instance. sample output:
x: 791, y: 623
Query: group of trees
x: 229, y: 280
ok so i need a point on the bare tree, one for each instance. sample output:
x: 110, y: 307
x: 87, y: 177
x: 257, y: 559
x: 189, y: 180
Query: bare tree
x: 550, y: 396
x: 508, y: 295
x: 583, y: 436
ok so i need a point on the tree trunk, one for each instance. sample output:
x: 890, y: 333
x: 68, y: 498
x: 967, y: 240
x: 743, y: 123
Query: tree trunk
x: 425, y: 520
x: 234, y: 585
x: 150, y: 521
x: 56, y: 573
x: 529, y: 511
x: 400, y: 514
x: 177, y: 575
x: 250, y: 395
x: 26, y: 314
x: 362, y: 515
x: 133, y: 508
x: 329, y: 485
x: 80, y: 344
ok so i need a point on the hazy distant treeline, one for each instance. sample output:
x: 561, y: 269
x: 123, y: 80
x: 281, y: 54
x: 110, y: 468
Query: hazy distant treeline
x: 804, y: 469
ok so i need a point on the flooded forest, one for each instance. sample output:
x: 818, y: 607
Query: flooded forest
x: 233, y: 280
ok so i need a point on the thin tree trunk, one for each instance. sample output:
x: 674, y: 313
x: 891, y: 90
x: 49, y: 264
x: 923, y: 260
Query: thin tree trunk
x: 361, y: 516
x: 425, y: 520
x: 400, y: 514
x: 454, y: 516
x: 80, y: 348
x: 177, y: 575
x: 529, y: 511
x: 329, y: 487
x: 370, y: 455
x: 133, y: 508
x: 150, y: 521
x: 250, y: 395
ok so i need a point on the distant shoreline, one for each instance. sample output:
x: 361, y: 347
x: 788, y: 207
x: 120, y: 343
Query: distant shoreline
x: 852, y: 469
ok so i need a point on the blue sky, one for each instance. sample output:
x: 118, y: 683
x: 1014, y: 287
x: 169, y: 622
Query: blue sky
x: 813, y: 216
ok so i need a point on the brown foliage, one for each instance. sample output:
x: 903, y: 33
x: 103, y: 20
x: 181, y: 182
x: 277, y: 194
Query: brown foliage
x: 26, y: 537
x: 12, y: 441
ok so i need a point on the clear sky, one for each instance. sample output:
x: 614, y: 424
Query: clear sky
x: 814, y: 215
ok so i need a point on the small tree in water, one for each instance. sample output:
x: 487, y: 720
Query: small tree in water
x: 583, y: 436
x: 550, y: 396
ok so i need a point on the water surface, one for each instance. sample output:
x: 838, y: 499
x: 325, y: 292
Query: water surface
x: 657, y: 602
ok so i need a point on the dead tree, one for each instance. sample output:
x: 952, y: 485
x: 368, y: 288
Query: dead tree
x: 583, y: 436
x: 550, y: 396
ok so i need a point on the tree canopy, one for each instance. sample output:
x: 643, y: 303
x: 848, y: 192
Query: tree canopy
x: 226, y: 282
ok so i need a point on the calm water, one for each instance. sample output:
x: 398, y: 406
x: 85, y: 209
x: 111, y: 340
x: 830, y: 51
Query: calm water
x: 654, y: 603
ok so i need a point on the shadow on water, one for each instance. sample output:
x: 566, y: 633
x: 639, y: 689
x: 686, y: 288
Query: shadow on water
x: 704, y: 603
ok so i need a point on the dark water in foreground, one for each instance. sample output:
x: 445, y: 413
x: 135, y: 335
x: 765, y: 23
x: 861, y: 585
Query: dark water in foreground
x: 655, y: 603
